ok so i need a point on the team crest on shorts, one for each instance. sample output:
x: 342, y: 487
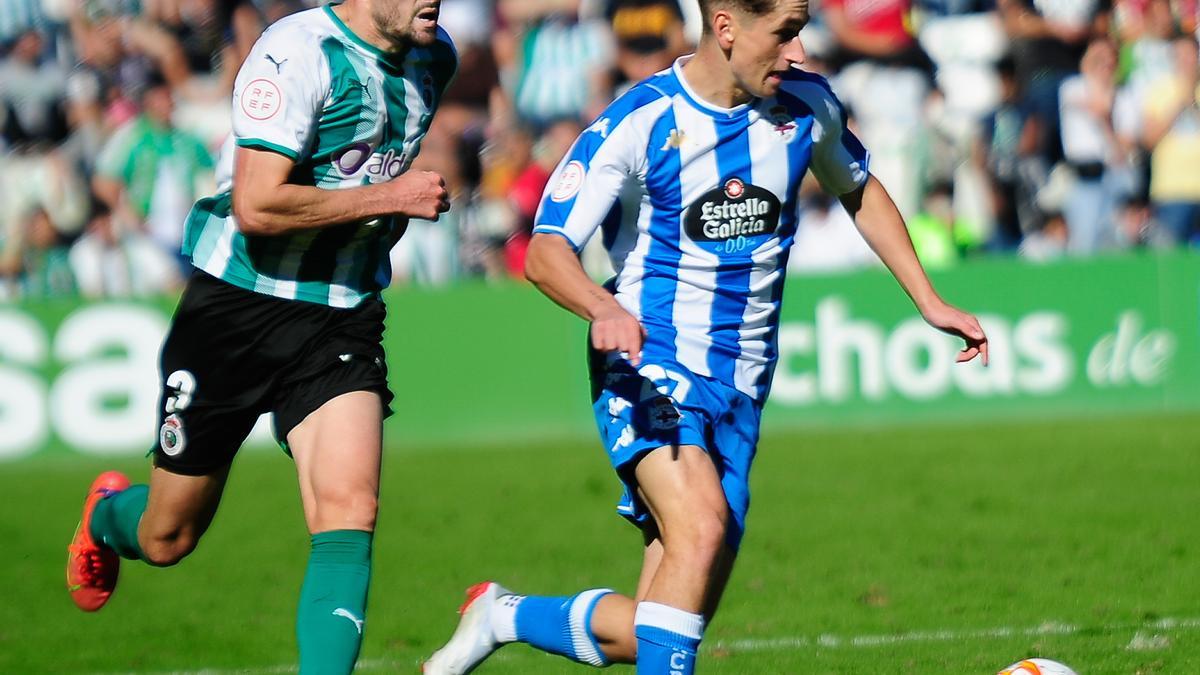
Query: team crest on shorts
x: 171, y: 437
x: 663, y: 413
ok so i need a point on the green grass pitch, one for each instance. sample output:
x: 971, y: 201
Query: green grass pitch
x: 934, y: 549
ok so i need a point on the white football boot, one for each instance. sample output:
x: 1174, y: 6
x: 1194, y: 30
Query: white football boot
x: 473, y: 640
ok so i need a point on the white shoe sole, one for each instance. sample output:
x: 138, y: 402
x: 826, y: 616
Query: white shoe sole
x: 473, y: 640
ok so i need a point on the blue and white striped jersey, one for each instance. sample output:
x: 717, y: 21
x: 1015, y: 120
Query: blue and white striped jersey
x: 698, y: 206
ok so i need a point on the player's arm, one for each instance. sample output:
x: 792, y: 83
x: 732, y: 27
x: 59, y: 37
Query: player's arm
x: 840, y: 162
x: 552, y: 266
x: 282, y: 87
x: 265, y: 203
x: 882, y: 226
x: 583, y: 190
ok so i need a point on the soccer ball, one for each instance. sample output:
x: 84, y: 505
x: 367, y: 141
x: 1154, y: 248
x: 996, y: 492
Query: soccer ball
x: 1037, y: 667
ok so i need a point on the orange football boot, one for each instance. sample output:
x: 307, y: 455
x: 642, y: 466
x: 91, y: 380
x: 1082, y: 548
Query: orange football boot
x: 92, y: 568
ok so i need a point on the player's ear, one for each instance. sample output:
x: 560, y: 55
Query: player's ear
x: 722, y: 26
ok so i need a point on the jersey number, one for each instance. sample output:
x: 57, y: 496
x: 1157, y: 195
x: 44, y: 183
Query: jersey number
x: 182, y: 384
x: 659, y: 380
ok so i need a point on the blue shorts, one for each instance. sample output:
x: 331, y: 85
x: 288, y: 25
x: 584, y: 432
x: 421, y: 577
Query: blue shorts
x: 662, y: 404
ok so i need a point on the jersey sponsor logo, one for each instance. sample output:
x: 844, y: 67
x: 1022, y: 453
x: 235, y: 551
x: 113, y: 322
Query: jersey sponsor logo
x: 261, y: 99
x: 570, y: 180
x: 732, y: 216
x: 388, y: 165
x: 171, y: 437
x: 350, y: 160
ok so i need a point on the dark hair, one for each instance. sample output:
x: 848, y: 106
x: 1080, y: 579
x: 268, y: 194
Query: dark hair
x: 1135, y: 201
x: 755, y: 7
x: 97, y: 207
x: 1006, y: 66
x: 943, y: 188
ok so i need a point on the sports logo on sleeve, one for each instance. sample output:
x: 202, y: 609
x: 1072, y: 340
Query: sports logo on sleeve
x: 569, y: 181
x: 261, y: 99
x: 278, y: 64
x: 733, y: 217
x: 600, y: 126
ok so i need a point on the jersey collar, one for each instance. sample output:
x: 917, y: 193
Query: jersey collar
x: 394, y: 58
x: 694, y: 98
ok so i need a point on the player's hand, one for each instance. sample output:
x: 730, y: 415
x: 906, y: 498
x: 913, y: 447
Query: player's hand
x: 616, y: 330
x: 958, y: 323
x: 420, y: 194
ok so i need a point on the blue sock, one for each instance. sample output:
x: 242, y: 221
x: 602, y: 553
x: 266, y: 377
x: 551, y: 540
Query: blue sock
x: 667, y: 639
x: 558, y: 625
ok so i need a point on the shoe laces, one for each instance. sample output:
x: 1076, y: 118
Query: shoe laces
x: 87, y: 562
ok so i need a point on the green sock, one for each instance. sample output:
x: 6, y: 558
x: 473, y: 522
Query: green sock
x: 115, y: 521
x: 333, y: 602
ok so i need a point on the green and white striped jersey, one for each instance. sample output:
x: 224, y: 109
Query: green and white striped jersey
x: 347, y: 114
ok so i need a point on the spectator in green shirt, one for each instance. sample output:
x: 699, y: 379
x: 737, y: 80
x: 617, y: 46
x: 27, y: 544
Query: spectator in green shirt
x: 933, y: 229
x: 150, y: 172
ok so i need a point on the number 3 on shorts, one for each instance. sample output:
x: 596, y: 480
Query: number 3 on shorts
x: 659, y: 381
x: 183, y: 384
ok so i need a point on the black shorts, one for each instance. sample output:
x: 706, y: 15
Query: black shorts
x: 232, y: 355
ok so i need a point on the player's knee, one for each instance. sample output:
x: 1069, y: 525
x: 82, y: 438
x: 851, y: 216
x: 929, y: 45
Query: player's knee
x: 346, y: 510
x: 167, y: 548
x: 709, y: 533
x: 700, y: 539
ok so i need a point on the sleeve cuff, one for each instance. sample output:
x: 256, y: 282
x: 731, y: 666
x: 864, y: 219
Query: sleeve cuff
x: 548, y: 229
x: 260, y: 144
x: 862, y: 180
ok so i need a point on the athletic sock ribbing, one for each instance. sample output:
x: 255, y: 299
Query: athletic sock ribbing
x: 558, y: 625
x: 668, y: 639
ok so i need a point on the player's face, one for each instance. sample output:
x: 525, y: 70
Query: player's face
x: 767, y: 46
x: 411, y: 21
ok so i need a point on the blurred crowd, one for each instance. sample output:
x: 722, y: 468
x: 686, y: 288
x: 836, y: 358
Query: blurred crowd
x: 1040, y: 128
